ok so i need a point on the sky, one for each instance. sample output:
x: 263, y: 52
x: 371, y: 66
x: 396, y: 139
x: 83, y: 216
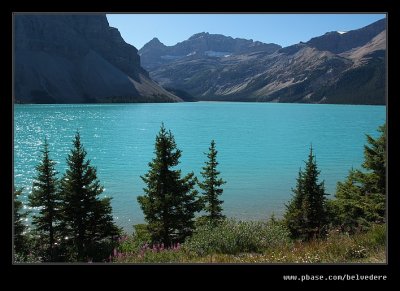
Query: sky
x: 282, y: 29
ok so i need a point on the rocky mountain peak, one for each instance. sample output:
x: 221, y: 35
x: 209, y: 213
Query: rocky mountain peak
x: 332, y: 68
x: 154, y: 43
x: 336, y: 42
x: 73, y: 58
x: 200, y: 45
x: 199, y: 35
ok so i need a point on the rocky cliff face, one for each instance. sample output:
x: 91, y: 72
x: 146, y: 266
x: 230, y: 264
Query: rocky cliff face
x: 65, y: 58
x: 201, y: 45
x: 334, y: 68
x: 337, y: 43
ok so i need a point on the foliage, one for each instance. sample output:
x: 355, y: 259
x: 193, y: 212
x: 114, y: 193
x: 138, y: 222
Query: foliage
x: 133, y: 243
x: 374, y: 238
x: 352, y: 209
x: 170, y: 202
x: 375, y: 163
x: 142, y: 234
x: 46, y: 197
x: 88, y: 225
x: 337, y: 247
x: 306, y: 215
x: 211, y: 186
x: 138, y: 248
x: 21, y: 247
x: 360, y: 199
x: 155, y: 253
x: 233, y: 237
x: 29, y: 258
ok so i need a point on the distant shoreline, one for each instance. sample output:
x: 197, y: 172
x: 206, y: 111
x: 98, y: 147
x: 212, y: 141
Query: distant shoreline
x: 199, y: 101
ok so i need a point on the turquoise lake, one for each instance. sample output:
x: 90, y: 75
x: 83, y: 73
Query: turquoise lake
x: 261, y: 146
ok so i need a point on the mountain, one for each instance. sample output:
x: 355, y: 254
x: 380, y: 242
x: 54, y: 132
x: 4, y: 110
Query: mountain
x: 337, y: 42
x: 154, y: 53
x: 65, y: 58
x: 337, y: 67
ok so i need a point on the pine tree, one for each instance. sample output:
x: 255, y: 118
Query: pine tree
x: 295, y: 217
x: 360, y: 200
x: 375, y: 162
x: 211, y: 186
x: 45, y: 195
x: 87, y: 220
x: 20, y: 239
x: 306, y: 215
x: 170, y: 202
x: 351, y: 206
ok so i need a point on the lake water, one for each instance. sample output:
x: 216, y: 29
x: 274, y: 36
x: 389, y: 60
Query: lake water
x: 261, y: 146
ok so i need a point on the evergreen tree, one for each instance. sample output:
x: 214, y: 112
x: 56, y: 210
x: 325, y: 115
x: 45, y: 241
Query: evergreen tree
x: 374, y: 179
x: 20, y: 238
x: 211, y: 186
x: 45, y: 195
x: 306, y: 215
x: 295, y: 217
x: 87, y: 220
x: 352, y: 208
x: 375, y: 163
x: 360, y: 200
x: 170, y: 202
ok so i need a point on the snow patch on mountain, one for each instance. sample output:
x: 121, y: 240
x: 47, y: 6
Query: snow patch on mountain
x: 216, y: 54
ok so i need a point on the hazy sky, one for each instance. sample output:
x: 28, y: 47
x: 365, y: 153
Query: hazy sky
x: 282, y: 29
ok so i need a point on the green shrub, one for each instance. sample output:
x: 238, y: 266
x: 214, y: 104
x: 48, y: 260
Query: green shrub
x: 374, y: 238
x: 377, y: 234
x: 257, y: 242
x: 233, y: 237
x: 133, y: 244
x: 155, y: 253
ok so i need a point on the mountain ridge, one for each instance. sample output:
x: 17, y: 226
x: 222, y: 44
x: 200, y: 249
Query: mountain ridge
x: 317, y: 71
x: 155, y: 53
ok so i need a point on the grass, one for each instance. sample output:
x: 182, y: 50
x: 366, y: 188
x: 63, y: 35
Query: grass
x: 257, y: 242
